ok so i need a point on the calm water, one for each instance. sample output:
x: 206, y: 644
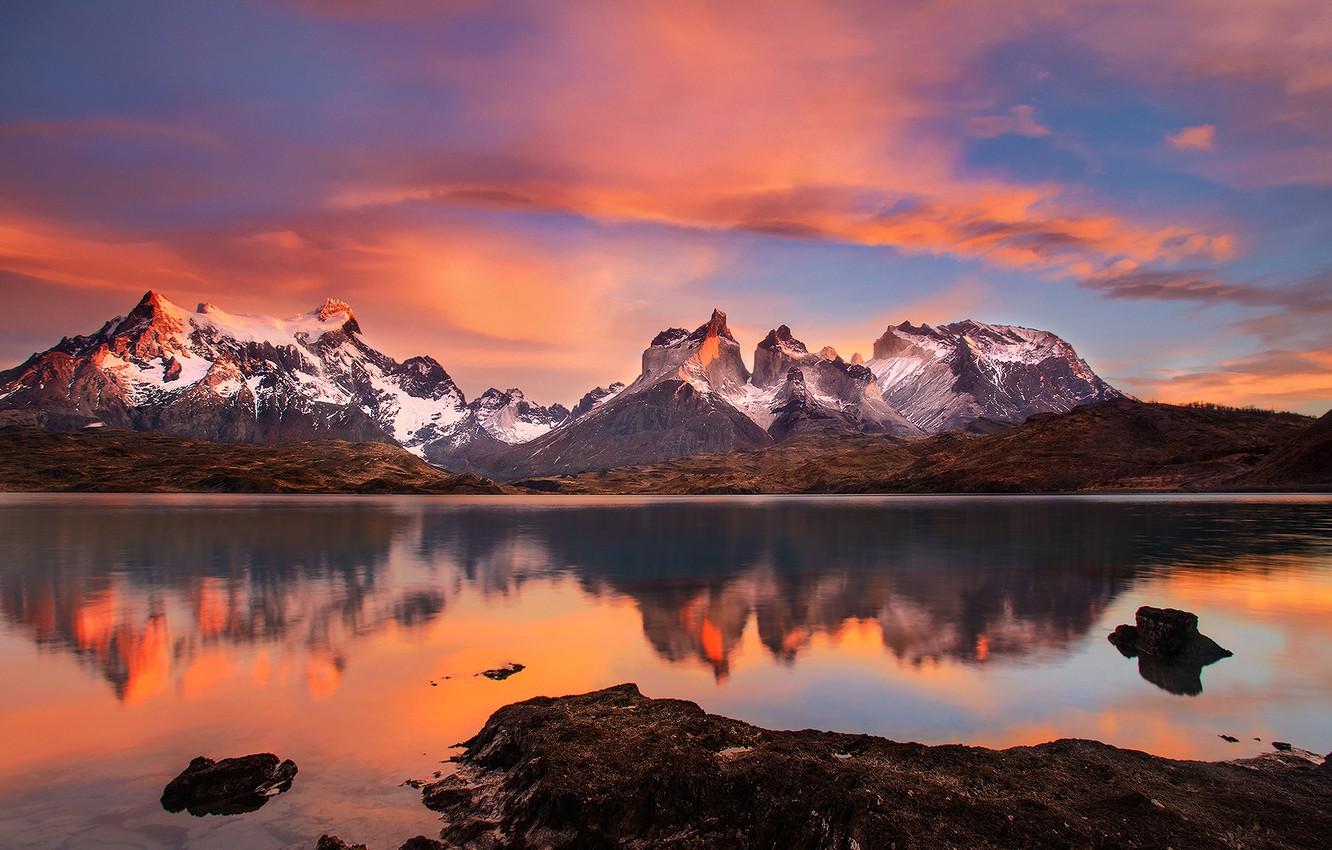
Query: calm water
x: 138, y: 632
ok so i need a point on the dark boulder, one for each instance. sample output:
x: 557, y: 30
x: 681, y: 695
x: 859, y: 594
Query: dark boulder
x: 1125, y: 637
x: 332, y: 842
x: 1170, y: 651
x: 420, y: 842
x: 1165, y: 632
x: 499, y: 674
x: 228, y: 787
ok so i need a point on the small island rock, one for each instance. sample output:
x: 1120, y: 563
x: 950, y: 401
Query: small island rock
x: 230, y: 786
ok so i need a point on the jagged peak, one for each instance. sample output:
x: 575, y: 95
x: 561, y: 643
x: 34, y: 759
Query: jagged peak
x: 333, y: 307
x: 780, y: 336
x: 828, y: 353
x: 155, y: 302
x: 715, y: 326
x: 857, y: 359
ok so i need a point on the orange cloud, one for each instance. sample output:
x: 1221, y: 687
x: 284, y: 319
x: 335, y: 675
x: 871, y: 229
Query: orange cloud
x: 1274, y: 379
x: 1201, y: 138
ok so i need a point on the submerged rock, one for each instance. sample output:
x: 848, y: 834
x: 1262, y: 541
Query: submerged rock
x: 1170, y: 651
x: 499, y: 674
x: 615, y: 769
x: 228, y: 787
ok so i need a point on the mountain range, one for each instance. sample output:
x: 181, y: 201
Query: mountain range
x: 211, y: 375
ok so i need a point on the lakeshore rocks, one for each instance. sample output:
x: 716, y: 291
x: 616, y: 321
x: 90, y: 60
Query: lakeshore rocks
x: 332, y: 842
x: 613, y: 768
x: 1170, y: 651
x: 228, y: 787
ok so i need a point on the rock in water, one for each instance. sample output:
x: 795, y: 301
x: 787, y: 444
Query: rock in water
x: 228, y: 787
x: 1165, y: 632
x: 332, y: 842
x: 1170, y: 651
x: 499, y: 674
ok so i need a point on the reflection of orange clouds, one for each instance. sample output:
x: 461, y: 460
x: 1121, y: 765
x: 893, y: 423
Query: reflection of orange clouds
x: 261, y: 669
x: 323, y: 672
x: 205, y: 672
x: 1294, y: 590
x: 1139, y: 727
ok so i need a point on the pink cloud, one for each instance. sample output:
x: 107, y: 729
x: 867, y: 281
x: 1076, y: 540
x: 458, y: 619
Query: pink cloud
x: 1200, y: 138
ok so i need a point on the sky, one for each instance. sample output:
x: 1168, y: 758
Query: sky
x: 530, y: 191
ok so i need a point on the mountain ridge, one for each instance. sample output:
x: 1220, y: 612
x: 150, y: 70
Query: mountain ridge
x: 209, y: 374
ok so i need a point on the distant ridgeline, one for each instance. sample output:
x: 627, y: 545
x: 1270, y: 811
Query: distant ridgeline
x: 212, y: 375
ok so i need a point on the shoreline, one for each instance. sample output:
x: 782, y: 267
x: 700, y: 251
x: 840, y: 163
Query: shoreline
x: 614, y: 768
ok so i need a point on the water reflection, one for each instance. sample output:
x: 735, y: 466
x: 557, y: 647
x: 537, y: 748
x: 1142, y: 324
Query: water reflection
x: 140, y: 591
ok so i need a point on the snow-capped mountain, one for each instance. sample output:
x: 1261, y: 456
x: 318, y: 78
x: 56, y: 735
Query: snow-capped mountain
x: 848, y: 393
x: 509, y: 417
x: 680, y: 404
x: 946, y: 377
x: 214, y: 375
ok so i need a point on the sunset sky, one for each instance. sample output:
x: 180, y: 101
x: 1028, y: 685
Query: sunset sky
x: 530, y: 191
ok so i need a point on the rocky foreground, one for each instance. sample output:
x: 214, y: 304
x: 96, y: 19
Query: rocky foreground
x: 613, y: 768
x: 113, y: 460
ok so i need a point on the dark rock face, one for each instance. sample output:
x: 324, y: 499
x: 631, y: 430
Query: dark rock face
x: 228, y: 787
x: 669, y: 419
x: 593, y: 396
x: 1165, y: 631
x: 1170, y: 651
x: 776, y: 354
x: 796, y: 412
x: 332, y: 842
x: 614, y: 769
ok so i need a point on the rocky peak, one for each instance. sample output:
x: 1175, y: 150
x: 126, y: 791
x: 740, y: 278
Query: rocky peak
x: 333, y: 307
x: 778, y: 351
x: 715, y: 326
x: 857, y: 359
x: 828, y: 353
x: 596, y: 397
x: 780, y: 337
x: 669, y: 337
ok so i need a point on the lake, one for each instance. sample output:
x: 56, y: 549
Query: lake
x: 346, y: 634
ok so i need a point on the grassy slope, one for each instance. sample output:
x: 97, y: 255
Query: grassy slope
x: 114, y: 460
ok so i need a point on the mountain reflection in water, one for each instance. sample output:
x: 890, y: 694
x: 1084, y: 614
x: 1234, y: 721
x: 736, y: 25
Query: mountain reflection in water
x: 346, y: 634
x: 136, y: 593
